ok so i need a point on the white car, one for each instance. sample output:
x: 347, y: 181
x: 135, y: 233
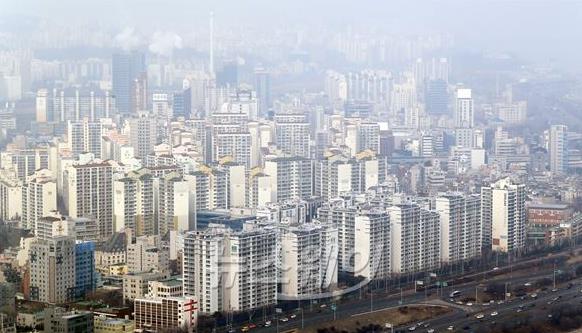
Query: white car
x: 268, y: 323
x: 293, y: 316
x: 527, y: 284
x: 412, y: 328
x: 430, y: 330
x: 494, y: 313
x: 284, y: 319
x: 450, y: 328
x: 480, y: 316
x: 469, y: 304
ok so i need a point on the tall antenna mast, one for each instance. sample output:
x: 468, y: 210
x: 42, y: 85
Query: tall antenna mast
x: 211, y: 53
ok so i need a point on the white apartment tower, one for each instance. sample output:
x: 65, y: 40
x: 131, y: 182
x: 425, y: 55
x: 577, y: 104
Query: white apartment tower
x: 415, y: 239
x: 173, y: 204
x: 231, y: 271
x: 460, y: 226
x: 292, y: 135
x: 558, y: 149
x: 133, y: 203
x: 372, y: 250
x: 142, y: 134
x: 464, y: 110
x: 341, y: 215
x: 308, y: 260
x: 89, y: 193
x: 503, y: 215
x: 10, y: 195
x: 291, y: 178
x: 85, y: 137
x: 39, y: 198
x: 52, y: 270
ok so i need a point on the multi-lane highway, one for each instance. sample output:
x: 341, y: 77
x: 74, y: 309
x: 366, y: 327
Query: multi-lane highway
x: 462, y: 318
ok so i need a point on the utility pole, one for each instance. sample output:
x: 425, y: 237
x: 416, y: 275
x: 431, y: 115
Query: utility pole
x: 554, y: 275
x: 476, y: 294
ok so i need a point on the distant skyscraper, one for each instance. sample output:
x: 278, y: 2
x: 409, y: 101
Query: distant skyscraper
x: 464, y: 110
x: 292, y: 134
x: 263, y: 88
x: 182, y: 103
x: 291, y: 178
x: 142, y: 134
x: 139, y: 93
x: 126, y: 67
x: 85, y: 137
x: 73, y: 104
x: 436, y: 97
x: 558, y: 149
x: 228, y: 75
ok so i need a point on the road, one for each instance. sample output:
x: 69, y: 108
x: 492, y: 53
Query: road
x: 380, y: 301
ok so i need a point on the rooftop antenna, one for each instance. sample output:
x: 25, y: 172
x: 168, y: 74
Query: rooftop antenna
x: 211, y: 53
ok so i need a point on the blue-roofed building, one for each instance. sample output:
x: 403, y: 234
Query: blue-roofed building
x: 85, y: 273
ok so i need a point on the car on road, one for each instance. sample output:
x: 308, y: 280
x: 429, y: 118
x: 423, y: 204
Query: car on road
x: 430, y: 330
x: 244, y: 329
x: 480, y: 316
x: 412, y: 328
x: 284, y: 319
x: 534, y: 295
x: 323, y: 306
x: 494, y: 313
x: 293, y: 316
x: 469, y: 304
x: 554, y: 290
x: 268, y: 323
x: 527, y: 284
x: 451, y: 328
x: 455, y: 293
x: 251, y: 325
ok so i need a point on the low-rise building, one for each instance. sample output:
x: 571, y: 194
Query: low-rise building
x: 57, y: 320
x: 135, y: 285
x: 104, y: 324
x: 30, y: 319
x: 163, y: 313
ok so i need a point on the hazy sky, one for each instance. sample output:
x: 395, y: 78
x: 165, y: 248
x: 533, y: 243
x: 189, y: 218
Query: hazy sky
x: 535, y: 29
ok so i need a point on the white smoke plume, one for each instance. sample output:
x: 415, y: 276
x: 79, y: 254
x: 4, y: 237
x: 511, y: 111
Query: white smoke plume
x: 164, y: 43
x: 127, y: 39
